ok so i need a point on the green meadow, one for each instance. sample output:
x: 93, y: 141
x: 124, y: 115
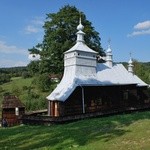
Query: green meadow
x: 118, y: 132
x: 27, y: 92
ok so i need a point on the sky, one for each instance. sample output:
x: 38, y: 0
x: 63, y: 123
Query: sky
x: 125, y: 22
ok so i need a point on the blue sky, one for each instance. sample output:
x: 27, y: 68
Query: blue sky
x: 125, y: 22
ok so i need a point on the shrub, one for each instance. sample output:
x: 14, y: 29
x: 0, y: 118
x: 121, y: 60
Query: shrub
x: 4, y: 78
x: 25, y: 74
x: 1, y: 89
x: 24, y: 88
x: 43, y: 82
x: 16, y: 90
x: 35, y: 102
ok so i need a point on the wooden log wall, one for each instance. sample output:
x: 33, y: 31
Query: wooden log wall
x: 55, y: 108
x: 47, y: 120
x: 99, y: 99
x: 10, y: 116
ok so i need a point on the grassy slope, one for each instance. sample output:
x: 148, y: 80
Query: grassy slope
x: 131, y: 131
x: 19, y: 83
x: 15, y: 82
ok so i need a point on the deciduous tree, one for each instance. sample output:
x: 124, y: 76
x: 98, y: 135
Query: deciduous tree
x: 60, y: 35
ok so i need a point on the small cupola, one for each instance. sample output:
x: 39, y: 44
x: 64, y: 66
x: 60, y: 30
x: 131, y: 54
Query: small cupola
x: 130, y: 65
x: 109, y: 56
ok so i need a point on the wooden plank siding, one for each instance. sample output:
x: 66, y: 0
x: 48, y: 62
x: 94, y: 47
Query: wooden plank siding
x: 11, y: 117
x: 47, y: 120
x: 99, y: 99
x: 9, y: 106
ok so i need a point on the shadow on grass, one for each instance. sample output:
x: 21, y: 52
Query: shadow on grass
x: 70, y: 135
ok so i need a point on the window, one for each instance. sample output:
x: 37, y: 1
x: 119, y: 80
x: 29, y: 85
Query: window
x: 99, y: 101
x: 17, y: 111
x: 125, y: 95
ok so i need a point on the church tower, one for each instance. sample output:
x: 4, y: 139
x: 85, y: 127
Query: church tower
x: 80, y: 59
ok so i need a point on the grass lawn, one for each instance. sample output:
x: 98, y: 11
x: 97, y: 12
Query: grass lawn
x: 119, y: 132
x: 17, y: 81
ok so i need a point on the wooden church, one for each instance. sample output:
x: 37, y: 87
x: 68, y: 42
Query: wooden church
x: 88, y: 86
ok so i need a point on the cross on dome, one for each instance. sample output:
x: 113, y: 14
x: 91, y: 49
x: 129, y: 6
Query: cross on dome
x: 130, y: 61
x: 130, y: 65
x: 109, y: 40
x: 109, y: 47
x: 80, y: 26
x: 80, y: 33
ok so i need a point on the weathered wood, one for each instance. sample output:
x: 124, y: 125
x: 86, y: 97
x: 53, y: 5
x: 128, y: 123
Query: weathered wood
x: 37, y: 112
x: 47, y: 120
x: 9, y: 105
x: 100, y: 98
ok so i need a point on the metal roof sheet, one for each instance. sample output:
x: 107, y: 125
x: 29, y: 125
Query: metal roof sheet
x: 116, y: 75
x: 81, y: 46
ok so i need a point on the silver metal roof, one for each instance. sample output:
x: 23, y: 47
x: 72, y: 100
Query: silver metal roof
x: 116, y: 75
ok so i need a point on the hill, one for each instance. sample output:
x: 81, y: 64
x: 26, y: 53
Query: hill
x: 27, y: 91
x: 120, y: 132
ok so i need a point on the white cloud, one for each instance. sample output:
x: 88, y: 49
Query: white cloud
x: 11, y: 55
x: 141, y: 28
x: 34, y: 26
x: 34, y: 57
x: 136, y: 33
x: 38, y: 21
x: 142, y: 25
x: 8, y: 49
x: 31, y: 29
x: 11, y: 63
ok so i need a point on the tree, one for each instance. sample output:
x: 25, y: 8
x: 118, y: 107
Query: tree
x: 16, y: 90
x: 4, y: 78
x: 142, y: 71
x: 43, y: 82
x: 25, y: 74
x: 60, y: 35
x: 1, y: 89
x: 35, y: 49
x: 33, y: 67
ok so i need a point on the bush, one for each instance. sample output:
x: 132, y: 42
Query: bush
x: 43, y: 82
x: 1, y: 89
x: 16, y: 90
x: 7, y: 94
x: 4, y: 78
x: 35, y: 102
x: 25, y: 74
x: 24, y: 88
